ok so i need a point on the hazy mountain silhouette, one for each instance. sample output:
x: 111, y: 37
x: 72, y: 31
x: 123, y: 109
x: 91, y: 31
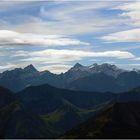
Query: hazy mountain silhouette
x: 101, y: 82
x: 79, y: 77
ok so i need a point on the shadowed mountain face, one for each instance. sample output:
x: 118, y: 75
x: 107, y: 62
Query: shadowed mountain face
x: 18, y: 78
x: 102, y: 82
x: 96, y: 82
x: 37, y: 97
x: 101, y: 78
x: 120, y: 120
x: 16, y: 122
x: 63, y: 108
x: 6, y: 97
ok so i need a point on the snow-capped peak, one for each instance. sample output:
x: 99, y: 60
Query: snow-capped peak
x: 106, y: 68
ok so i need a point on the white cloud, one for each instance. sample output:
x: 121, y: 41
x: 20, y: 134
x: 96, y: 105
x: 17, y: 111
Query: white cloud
x: 79, y: 53
x: 129, y: 6
x: 79, y: 17
x: 131, y: 11
x: 132, y: 35
x: 55, y: 21
x: 137, y: 58
x: 56, y: 68
x: 66, y: 17
x: 5, y: 5
x: 61, y: 56
x: 58, y: 61
x: 7, y: 66
x: 134, y: 64
x: 10, y: 37
x: 20, y: 53
x: 130, y: 14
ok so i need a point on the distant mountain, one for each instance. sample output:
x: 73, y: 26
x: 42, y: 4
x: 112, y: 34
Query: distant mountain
x: 19, y: 78
x: 74, y: 73
x: 105, y: 68
x: 30, y: 69
x: 120, y: 120
x: 129, y: 80
x: 94, y: 75
x: 96, y: 82
x: 16, y: 122
x: 136, y: 70
x: 79, y: 71
x: 102, y: 82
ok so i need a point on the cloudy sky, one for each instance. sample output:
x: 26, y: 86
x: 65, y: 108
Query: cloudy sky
x: 54, y: 35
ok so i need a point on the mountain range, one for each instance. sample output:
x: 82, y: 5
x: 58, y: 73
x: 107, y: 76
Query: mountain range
x: 48, y: 112
x: 100, y: 78
x: 80, y: 103
x: 63, y: 108
x: 45, y: 111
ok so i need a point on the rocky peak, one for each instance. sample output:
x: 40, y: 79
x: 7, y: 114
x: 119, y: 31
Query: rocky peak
x: 136, y: 70
x: 93, y: 65
x: 78, y: 65
x: 30, y: 68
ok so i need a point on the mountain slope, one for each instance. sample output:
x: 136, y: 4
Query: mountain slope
x: 120, y: 120
x: 16, y: 122
x: 129, y: 80
x: 19, y: 78
x: 45, y: 98
x: 64, y: 109
x: 68, y: 116
x: 105, y: 68
x: 102, y: 82
x: 96, y: 82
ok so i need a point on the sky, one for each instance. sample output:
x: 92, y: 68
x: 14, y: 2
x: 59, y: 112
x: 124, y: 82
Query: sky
x: 54, y: 35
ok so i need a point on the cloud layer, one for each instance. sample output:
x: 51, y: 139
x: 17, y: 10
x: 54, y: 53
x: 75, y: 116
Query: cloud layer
x: 132, y: 35
x: 131, y: 11
x: 62, y: 56
x: 14, y: 38
x: 54, y: 35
